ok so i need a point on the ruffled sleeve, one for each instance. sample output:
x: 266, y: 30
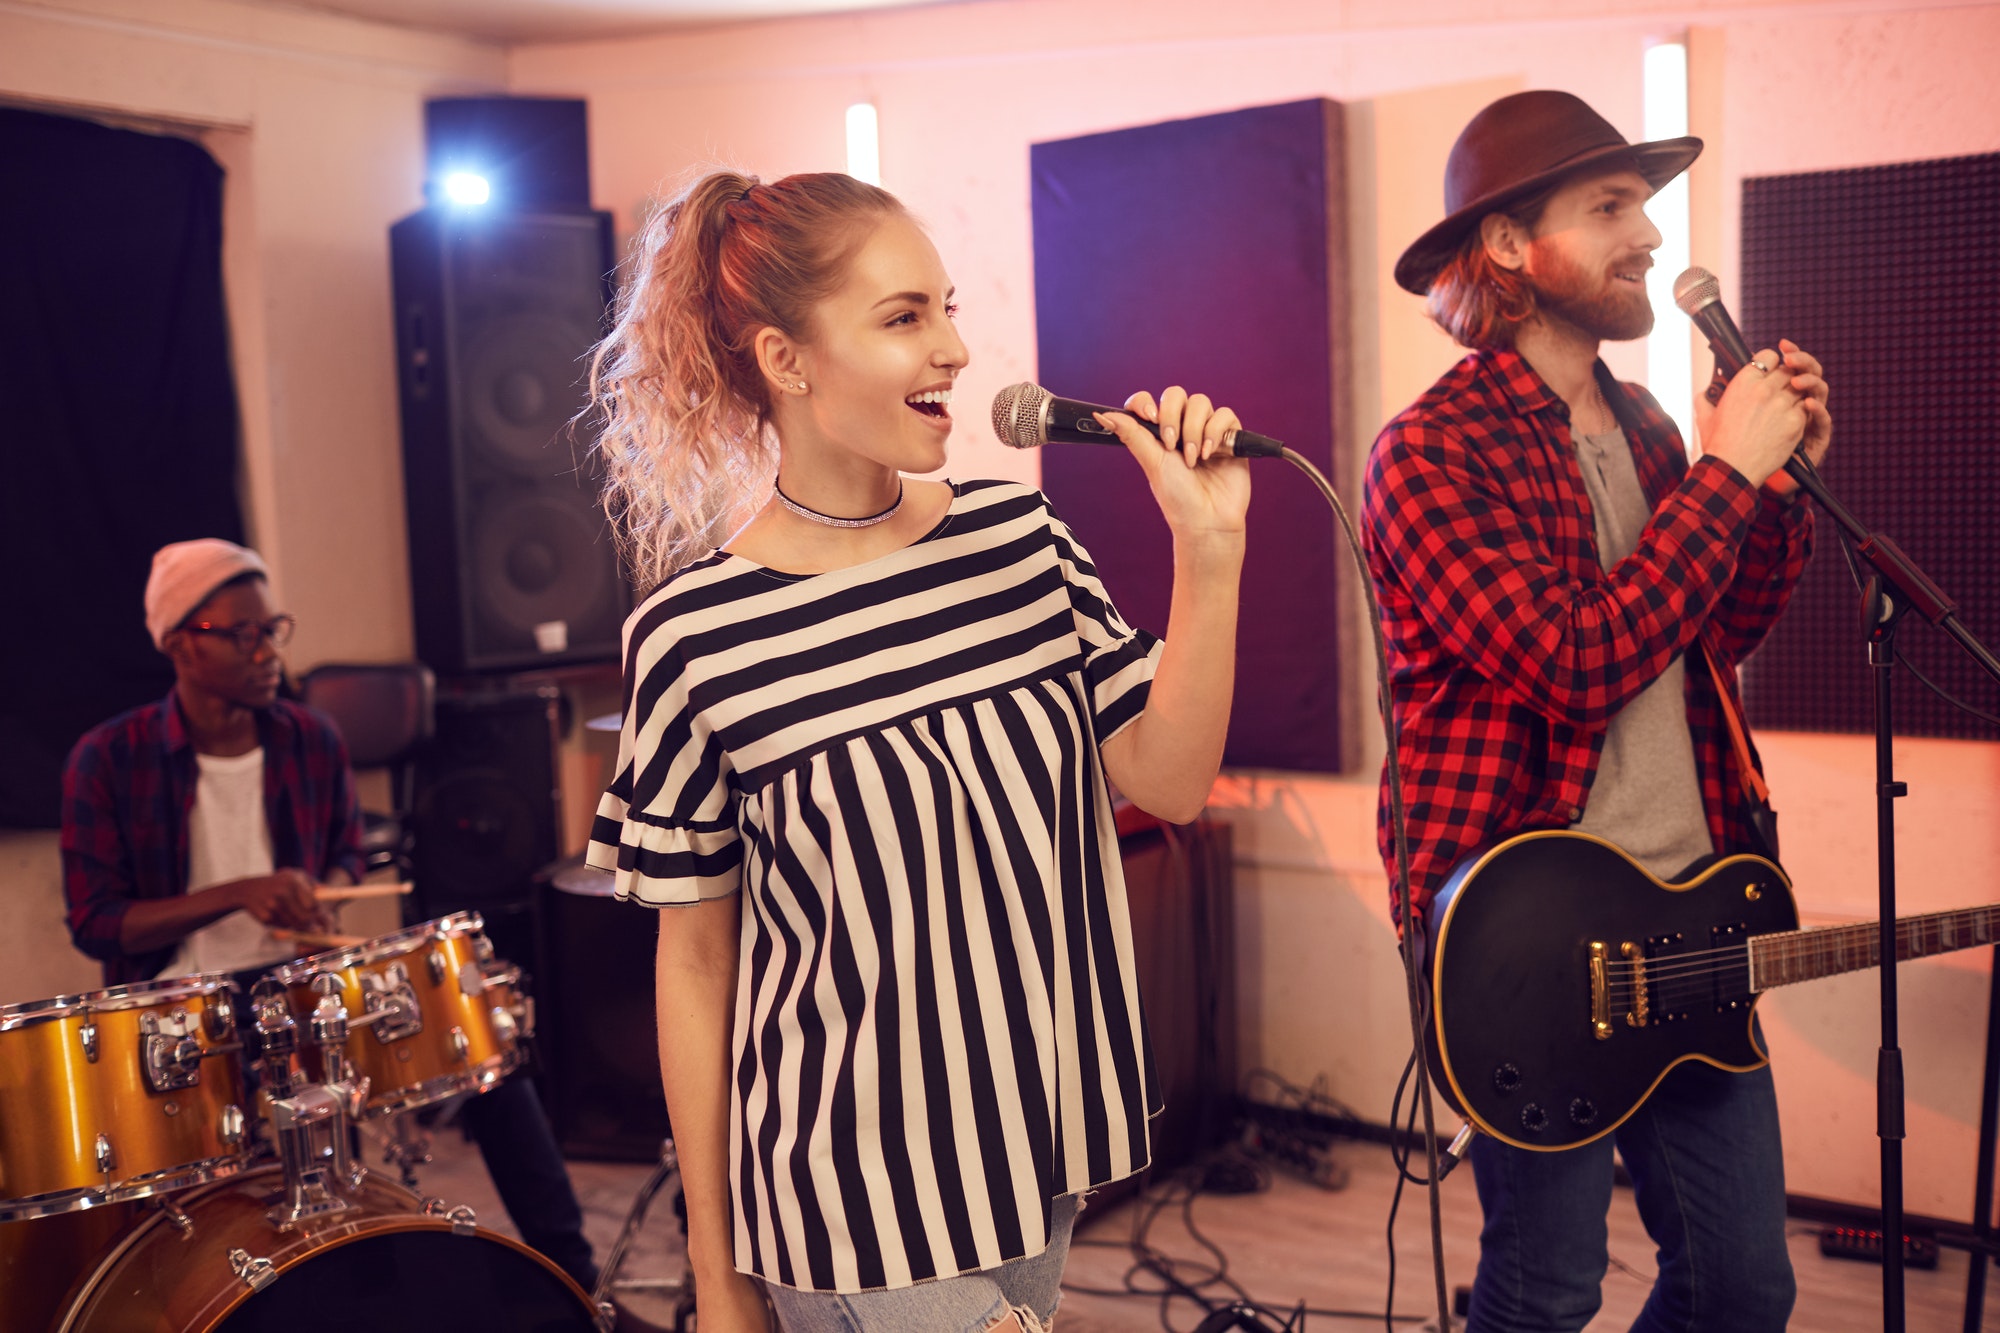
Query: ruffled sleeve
x: 1118, y: 660
x: 667, y: 825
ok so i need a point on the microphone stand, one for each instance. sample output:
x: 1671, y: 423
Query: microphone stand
x: 1895, y: 587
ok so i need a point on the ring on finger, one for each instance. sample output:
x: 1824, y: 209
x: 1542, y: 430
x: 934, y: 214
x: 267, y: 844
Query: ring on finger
x: 1760, y: 367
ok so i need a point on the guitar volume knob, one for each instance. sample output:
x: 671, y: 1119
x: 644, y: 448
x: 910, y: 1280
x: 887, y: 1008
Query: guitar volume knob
x: 1583, y: 1112
x: 1506, y: 1079
x: 1533, y: 1118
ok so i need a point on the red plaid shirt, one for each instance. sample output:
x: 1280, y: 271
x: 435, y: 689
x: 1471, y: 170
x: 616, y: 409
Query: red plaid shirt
x: 127, y: 792
x: 1510, y: 646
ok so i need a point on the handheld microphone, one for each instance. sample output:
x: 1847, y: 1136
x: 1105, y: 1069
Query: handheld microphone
x: 1027, y: 416
x: 1699, y: 296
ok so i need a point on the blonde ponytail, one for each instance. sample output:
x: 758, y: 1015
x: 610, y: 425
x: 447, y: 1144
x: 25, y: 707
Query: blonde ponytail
x: 686, y: 443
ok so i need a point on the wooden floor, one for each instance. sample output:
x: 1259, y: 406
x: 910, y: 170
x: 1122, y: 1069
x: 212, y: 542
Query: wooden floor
x: 1297, y: 1242
x: 1290, y: 1243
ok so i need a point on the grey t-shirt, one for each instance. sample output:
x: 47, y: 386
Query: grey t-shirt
x: 1646, y: 797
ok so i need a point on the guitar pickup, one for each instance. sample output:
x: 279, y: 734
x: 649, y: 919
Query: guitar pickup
x: 1730, y: 979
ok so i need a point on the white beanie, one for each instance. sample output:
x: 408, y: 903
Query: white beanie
x: 186, y: 574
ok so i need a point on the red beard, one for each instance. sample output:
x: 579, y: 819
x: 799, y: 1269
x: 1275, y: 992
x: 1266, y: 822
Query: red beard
x: 1598, y: 304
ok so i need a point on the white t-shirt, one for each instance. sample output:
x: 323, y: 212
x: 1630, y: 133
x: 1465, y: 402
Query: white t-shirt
x: 228, y: 838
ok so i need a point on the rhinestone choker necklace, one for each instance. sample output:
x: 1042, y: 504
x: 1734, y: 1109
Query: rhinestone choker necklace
x: 815, y: 516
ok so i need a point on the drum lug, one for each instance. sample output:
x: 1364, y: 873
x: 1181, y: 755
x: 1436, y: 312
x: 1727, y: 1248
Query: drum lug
x: 482, y: 948
x: 464, y: 1221
x: 87, y: 1034
x: 231, y: 1125
x: 256, y: 1273
x: 439, y: 965
x: 504, y: 1026
x: 460, y: 1044
x: 169, y: 1056
x: 391, y: 1004
x: 177, y: 1217
x: 107, y: 1160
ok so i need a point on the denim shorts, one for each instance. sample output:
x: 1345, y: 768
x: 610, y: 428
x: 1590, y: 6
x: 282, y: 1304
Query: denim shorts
x: 1029, y: 1286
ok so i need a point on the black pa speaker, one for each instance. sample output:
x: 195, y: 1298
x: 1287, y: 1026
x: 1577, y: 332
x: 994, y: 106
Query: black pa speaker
x: 511, y: 560
x: 488, y: 813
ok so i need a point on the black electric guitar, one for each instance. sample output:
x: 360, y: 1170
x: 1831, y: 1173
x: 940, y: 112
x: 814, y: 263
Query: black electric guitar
x: 1566, y: 980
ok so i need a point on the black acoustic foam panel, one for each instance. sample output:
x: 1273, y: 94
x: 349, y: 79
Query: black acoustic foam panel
x: 1209, y: 253
x: 1891, y: 276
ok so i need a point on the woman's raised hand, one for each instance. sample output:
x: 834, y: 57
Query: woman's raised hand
x: 1202, y: 490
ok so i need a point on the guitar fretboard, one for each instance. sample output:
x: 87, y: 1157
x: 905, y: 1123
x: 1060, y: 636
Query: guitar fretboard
x: 1802, y: 955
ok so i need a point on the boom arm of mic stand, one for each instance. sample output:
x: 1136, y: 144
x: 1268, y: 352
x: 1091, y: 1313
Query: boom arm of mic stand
x: 1899, y: 573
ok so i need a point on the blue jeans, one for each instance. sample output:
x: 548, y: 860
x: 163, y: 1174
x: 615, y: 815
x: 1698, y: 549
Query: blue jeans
x: 1030, y: 1285
x: 1709, y: 1179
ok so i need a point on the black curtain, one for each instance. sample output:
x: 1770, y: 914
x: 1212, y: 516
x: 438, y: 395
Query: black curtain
x: 118, y: 423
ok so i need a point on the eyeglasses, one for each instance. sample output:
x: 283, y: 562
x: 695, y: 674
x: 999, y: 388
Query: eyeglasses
x: 249, y: 634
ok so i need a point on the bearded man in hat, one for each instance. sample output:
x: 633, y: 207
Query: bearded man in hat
x: 1566, y: 598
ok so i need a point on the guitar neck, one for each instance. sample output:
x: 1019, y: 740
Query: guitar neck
x: 1803, y: 955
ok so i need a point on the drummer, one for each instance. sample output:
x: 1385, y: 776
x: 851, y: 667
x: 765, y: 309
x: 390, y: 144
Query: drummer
x: 194, y: 826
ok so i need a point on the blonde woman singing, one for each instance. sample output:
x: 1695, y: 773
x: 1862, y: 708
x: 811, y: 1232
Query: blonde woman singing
x: 867, y: 745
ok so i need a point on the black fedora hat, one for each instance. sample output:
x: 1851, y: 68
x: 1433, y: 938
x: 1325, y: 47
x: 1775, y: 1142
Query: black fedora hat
x: 1516, y: 146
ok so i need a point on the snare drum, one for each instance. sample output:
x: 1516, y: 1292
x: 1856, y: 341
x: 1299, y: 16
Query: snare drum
x: 422, y: 1025
x: 214, y: 1263
x: 118, y: 1094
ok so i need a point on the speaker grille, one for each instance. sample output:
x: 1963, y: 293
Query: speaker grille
x: 487, y: 814
x: 1891, y: 276
x: 511, y: 560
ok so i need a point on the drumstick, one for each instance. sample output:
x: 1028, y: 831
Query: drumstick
x: 333, y: 893
x: 317, y: 939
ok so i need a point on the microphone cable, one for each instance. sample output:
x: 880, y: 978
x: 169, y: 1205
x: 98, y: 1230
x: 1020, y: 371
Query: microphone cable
x: 1413, y: 929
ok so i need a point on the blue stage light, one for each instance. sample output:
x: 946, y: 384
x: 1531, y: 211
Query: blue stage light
x: 467, y: 188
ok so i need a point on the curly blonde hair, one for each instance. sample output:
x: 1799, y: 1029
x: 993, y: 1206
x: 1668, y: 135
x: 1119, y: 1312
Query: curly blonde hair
x: 686, y: 442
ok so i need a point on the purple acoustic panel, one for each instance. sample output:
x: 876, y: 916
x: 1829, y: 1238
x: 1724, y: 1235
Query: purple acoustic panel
x: 1209, y: 253
x: 1891, y: 276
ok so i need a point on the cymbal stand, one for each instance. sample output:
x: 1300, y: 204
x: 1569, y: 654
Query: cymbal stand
x: 607, y: 1278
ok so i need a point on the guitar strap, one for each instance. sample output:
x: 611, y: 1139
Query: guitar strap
x: 1762, y: 817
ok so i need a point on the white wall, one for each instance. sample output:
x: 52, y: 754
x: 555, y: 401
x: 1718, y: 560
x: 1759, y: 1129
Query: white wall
x: 964, y: 90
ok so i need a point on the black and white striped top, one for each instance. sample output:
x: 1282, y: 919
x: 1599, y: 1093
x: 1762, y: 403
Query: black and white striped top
x: 938, y: 1026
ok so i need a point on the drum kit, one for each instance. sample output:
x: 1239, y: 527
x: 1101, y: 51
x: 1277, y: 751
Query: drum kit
x: 176, y: 1157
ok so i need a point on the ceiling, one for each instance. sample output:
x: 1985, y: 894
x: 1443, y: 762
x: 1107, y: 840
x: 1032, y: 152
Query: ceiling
x: 574, y: 20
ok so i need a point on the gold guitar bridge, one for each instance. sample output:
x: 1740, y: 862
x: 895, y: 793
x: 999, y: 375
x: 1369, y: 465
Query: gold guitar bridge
x: 1641, y: 1011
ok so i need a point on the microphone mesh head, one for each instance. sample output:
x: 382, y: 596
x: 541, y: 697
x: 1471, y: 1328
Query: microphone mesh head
x: 1018, y: 412
x: 1696, y: 288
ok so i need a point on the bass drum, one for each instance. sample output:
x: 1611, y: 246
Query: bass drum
x: 43, y: 1259
x: 383, y: 1264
